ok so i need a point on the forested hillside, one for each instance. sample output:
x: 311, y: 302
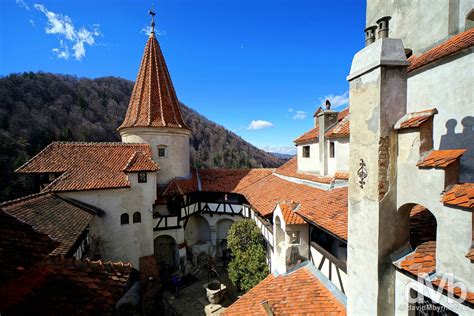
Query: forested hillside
x: 38, y: 108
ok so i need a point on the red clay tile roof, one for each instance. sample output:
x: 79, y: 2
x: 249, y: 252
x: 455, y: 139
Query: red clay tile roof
x: 343, y: 114
x: 460, y: 195
x: 422, y: 260
x: 289, y: 215
x: 341, y: 129
x: 153, y: 102
x: 180, y: 186
x: 455, y: 290
x: 327, y: 209
x: 423, y: 240
x: 415, y: 119
x: 140, y: 162
x: 87, y: 166
x: 340, y: 175
x: 297, y: 293
x: 50, y: 214
x: 441, y: 158
x: 311, y: 136
x: 21, y: 246
x: 290, y: 169
x: 231, y: 180
x: 60, y: 286
x: 453, y: 45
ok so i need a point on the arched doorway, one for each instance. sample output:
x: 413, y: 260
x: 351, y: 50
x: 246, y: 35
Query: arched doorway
x: 197, y: 231
x: 166, y: 253
x: 222, y: 230
x: 422, y: 239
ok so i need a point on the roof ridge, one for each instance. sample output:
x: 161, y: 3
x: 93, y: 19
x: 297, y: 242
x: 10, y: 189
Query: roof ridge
x: 26, y: 198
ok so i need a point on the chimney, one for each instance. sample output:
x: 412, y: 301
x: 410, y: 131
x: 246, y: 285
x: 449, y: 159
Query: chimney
x: 370, y: 35
x: 326, y: 118
x: 383, y: 26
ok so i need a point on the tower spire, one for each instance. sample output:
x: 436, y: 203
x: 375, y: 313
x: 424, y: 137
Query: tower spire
x: 152, y: 13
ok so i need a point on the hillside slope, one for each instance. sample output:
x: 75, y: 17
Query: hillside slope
x: 38, y: 108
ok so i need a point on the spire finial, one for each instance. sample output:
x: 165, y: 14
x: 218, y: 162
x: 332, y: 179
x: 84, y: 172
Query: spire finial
x: 152, y: 13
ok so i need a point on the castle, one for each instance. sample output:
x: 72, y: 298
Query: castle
x: 375, y: 209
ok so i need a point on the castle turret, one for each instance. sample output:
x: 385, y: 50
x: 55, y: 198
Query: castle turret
x: 154, y: 115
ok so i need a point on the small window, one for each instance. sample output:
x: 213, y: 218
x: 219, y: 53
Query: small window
x: 124, y: 219
x: 142, y: 177
x: 305, y: 151
x: 161, y: 151
x: 137, y: 217
x: 332, y: 150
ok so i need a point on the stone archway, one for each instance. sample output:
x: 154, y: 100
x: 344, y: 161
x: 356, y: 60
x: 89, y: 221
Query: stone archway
x: 197, y: 231
x: 222, y: 230
x: 166, y: 253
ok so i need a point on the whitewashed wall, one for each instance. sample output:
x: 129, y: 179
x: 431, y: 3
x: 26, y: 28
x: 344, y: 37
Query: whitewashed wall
x: 340, y: 162
x: 312, y: 163
x: 122, y: 242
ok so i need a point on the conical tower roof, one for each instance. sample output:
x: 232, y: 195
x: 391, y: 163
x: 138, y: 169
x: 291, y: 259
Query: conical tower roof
x: 153, y: 102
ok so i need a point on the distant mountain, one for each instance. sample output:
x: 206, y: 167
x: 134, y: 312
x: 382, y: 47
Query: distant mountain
x: 38, y: 108
x: 284, y: 157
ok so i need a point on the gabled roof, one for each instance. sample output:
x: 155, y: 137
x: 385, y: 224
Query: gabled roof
x: 231, y: 180
x: 298, y: 293
x: 326, y: 209
x: 89, y: 166
x: 441, y: 158
x: 310, y: 136
x: 153, y: 102
x: 50, y: 214
x: 290, y: 169
x: 180, y: 186
x: 461, y: 195
x: 289, y: 215
x: 453, y: 45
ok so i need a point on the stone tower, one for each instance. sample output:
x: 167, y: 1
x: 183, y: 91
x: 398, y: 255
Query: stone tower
x: 154, y: 116
x: 378, y: 95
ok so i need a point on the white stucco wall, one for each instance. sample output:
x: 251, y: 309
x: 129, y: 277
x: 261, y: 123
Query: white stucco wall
x: 448, y: 87
x: 310, y: 164
x: 454, y: 225
x: 421, y: 24
x: 340, y: 162
x: 122, y: 242
x: 176, y: 162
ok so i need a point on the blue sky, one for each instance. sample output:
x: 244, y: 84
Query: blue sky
x: 258, y: 67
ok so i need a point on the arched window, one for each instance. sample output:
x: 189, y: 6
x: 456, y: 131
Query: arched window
x: 137, y: 217
x: 124, y: 219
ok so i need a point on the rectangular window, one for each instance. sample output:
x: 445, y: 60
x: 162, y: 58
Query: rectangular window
x: 305, y: 151
x: 332, y: 150
x: 161, y: 152
x: 142, y: 177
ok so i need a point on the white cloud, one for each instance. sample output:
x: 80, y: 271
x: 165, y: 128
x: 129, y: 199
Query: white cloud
x: 336, y: 100
x: 290, y: 110
x: 259, y: 124
x: 62, y: 26
x: 147, y: 31
x: 299, y: 115
x: 32, y: 23
x: 288, y: 150
x: 22, y: 4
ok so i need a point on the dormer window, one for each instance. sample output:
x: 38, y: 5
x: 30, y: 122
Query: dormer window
x: 306, y: 153
x: 161, y: 151
x: 142, y: 177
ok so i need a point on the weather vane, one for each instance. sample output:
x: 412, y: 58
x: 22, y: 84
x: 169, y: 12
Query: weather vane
x: 152, y: 13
